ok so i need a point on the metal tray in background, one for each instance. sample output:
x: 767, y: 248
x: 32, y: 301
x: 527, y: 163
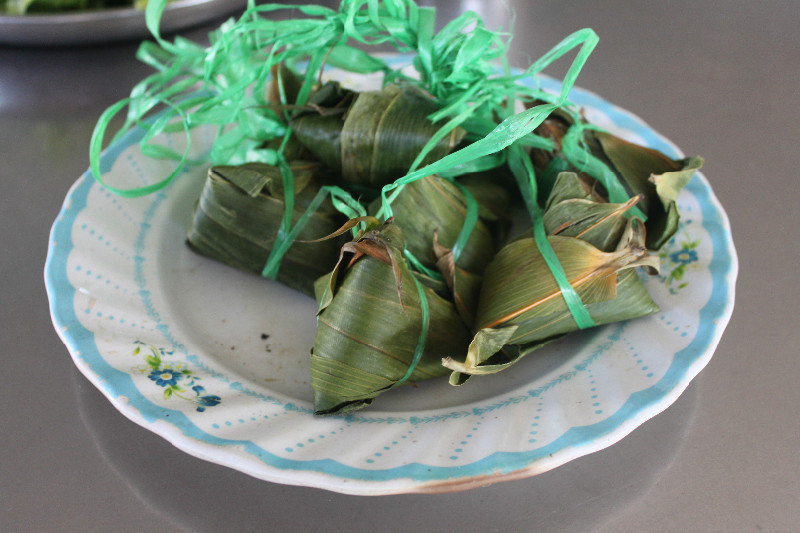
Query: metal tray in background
x: 107, y: 25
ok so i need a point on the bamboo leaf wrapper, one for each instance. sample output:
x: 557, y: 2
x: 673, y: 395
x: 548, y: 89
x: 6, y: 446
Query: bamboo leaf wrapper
x: 239, y: 211
x: 640, y: 170
x: 434, y: 205
x: 370, y: 322
x: 378, y: 138
x: 520, y: 306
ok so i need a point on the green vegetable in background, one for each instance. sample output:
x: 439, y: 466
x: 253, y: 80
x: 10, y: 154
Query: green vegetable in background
x: 24, y: 7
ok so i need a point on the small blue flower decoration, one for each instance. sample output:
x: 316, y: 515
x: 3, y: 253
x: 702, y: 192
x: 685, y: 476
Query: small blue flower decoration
x: 684, y: 256
x: 680, y: 262
x: 165, y: 377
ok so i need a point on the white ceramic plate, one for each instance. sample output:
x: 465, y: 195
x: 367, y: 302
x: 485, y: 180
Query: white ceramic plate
x: 142, y: 315
x: 89, y: 27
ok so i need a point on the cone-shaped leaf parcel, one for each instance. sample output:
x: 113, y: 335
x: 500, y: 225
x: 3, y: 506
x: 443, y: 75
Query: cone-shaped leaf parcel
x: 436, y: 206
x: 370, y: 322
x: 521, y: 307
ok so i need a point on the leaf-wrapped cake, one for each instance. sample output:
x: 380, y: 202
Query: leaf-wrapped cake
x: 440, y: 152
x: 240, y: 210
x: 433, y: 206
x: 521, y: 307
x: 377, y: 137
x: 377, y: 326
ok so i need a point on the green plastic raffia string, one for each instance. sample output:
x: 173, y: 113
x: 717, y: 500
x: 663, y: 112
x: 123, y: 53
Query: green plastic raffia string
x: 523, y: 171
x: 223, y: 86
x: 423, y: 334
x: 470, y: 220
x: 152, y: 150
x: 341, y: 200
x: 420, y: 267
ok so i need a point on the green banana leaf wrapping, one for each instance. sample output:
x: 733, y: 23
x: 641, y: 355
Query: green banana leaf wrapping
x: 641, y: 170
x: 239, y: 213
x: 520, y: 307
x: 539, y: 311
x: 463, y: 286
x: 370, y: 322
x: 378, y: 138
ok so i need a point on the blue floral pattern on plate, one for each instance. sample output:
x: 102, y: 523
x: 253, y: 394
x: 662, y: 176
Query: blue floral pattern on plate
x: 677, y: 258
x: 175, y: 381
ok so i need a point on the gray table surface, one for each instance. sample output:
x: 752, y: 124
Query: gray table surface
x: 718, y: 78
